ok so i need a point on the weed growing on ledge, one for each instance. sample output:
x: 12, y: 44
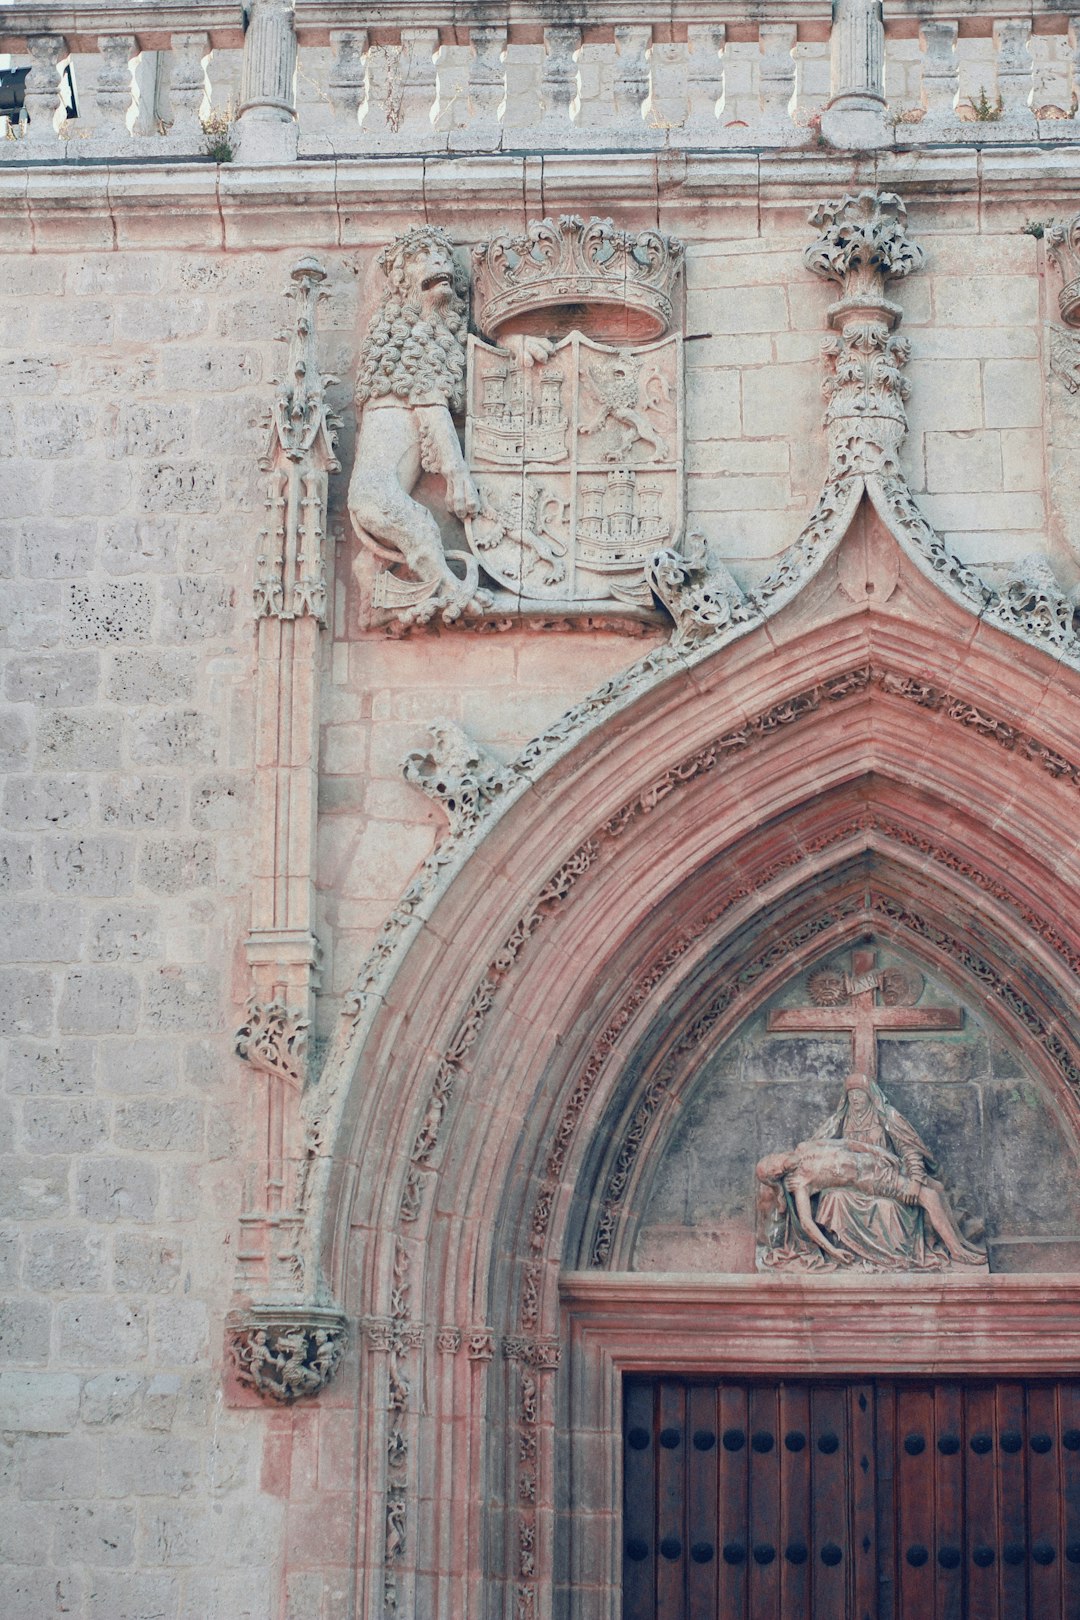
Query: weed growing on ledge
x: 217, y: 127
x: 985, y: 111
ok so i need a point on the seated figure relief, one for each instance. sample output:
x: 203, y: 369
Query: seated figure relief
x: 859, y: 1192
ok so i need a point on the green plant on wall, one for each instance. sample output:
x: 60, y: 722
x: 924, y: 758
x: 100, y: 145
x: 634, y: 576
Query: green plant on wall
x: 217, y: 127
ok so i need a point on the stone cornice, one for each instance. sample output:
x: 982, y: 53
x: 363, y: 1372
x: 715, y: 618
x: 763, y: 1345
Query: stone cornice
x: 151, y: 22
x: 315, y: 17
x: 354, y: 202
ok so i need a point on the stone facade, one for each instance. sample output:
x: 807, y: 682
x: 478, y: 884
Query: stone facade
x: 371, y: 974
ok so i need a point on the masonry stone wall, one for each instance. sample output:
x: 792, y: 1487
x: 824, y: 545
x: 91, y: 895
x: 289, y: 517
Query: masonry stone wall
x: 135, y: 379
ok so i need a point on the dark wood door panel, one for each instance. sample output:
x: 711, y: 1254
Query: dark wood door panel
x: 875, y: 1500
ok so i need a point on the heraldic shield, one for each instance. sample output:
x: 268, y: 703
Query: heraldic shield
x: 578, y: 460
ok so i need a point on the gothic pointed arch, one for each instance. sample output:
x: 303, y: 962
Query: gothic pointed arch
x: 863, y: 763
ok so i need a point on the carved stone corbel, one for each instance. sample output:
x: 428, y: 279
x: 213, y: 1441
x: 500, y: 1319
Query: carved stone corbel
x: 458, y: 774
x: 286, y: 1352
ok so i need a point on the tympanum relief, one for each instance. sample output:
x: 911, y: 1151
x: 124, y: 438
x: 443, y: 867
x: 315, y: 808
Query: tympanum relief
x: 571, y: 382
x: 860, y: 1190
x: 867, y: 1118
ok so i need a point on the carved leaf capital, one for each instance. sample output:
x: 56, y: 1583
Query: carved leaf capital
x: 862, y: 239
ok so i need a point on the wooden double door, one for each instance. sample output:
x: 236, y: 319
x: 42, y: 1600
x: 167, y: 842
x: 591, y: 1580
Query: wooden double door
x: 887, y: 1499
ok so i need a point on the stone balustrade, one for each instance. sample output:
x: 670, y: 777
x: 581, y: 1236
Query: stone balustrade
x: 171, y: 79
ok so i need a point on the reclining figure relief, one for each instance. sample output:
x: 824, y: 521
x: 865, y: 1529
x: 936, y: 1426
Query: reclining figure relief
x: 859, y: 1193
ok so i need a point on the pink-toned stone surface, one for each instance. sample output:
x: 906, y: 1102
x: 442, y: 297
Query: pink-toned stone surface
x: 138, y: 308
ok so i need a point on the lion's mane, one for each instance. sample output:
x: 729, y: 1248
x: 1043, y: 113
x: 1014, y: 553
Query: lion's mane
x: 406, y: 355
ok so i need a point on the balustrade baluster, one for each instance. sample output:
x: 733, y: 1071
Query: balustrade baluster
x: 188, y: 87
x: 668, y: 105
x: 559, y: 83
x: 940, y: 73
x: 596, y: 86
x: 417, y: 66
x: 114, y: 91
x: 707, y: 78
x: 452, y: 66
x: 524, y: 73
x: 631, y: 79
x: 347, y: 82
x: 776, y: 75
x: 42, y: 93
x: 487, y: 89
x: 1051, y: 92
x: 1014, y: 68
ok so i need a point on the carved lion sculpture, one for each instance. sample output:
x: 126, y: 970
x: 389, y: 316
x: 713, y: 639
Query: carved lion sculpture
x: 412, y: 376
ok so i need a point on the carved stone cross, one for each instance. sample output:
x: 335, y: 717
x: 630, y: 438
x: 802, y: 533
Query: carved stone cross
x: 850, y: 1002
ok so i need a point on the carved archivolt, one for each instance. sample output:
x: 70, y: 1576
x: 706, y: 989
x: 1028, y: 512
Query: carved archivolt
x: 555, y: 893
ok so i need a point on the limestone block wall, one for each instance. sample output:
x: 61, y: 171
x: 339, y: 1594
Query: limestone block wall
x: 139, y: 353
x: 130, y: 384
x: 977, y: 322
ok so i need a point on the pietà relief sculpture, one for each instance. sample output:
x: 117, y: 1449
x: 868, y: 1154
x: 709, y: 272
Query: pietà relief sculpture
x: 860, y: 1190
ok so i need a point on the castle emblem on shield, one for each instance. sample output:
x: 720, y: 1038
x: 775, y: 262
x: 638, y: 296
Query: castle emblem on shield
x: 575, y: 445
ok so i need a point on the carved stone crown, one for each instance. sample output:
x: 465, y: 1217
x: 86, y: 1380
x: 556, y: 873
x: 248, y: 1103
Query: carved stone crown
x: 577, y: 273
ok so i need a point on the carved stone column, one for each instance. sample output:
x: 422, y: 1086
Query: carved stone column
x: 290, y: 611
x: 266, y: 127
x: 862, y: 246
x: 855, y: 116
